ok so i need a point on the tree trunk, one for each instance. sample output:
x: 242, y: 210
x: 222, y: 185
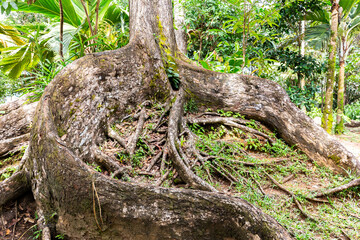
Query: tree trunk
x: 327, y: 119
x: 302, y: 52
x: 339, y: 128
x: 180, y: 32
x: 78, y: 107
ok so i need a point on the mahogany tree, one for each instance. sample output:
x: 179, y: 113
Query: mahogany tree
x: 74, y: 118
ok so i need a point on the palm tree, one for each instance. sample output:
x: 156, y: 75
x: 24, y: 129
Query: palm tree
x: 67, y: 35
x: 348, y: 29
x: 25, y: 52
x: 81, y: 19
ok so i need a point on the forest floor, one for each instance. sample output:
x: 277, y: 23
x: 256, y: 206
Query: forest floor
x: 351, y: 140
x: 273, y: 176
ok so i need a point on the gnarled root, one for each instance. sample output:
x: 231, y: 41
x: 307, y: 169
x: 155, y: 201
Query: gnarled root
x: 353, y: 183
x: 13, y: 145
x: 180, y: 159
x: 15, y: 186
x: 231, y: 122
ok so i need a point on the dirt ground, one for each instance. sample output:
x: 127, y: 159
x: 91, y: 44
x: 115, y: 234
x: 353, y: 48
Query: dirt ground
x: 351, y: 140
x: 18, y: 218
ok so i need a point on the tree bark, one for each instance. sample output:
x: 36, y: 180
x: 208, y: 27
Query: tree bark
x: 180, y: 32
x: 302, y: 52
x: 327, y: 119
x: 78, y: 106
x: 339, y: 128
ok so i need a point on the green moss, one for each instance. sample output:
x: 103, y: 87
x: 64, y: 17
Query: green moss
x: 335, y: 158
x: 169, y: 60
x: 61, y: 132
x: 72, y: 111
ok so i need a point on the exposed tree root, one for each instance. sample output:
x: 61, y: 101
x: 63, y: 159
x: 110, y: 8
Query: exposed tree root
x: 15, y: 186
x: 134, y: 139
x: 353, y: 124
x: 173, y: 132
x: 108, y: 163
x: 17, y: 122
x: 231, y: 122
x: 112, y: 134
x: 13, y: 145
x: 351, y: 184
x: 292, y: 195
x: 154, y: 160
x: 247, y: 164
x: 13, y: 105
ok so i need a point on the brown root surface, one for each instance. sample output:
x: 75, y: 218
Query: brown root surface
x: 85, y: 188
x: 76, y: 135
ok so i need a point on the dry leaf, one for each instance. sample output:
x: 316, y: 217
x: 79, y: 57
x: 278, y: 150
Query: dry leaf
x: 28, y: 219
x: 7, y: 231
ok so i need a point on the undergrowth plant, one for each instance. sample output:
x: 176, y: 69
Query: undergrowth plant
x: 229, y: 155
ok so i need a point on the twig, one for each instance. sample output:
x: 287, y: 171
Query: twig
x: 94, y: 206
x: 27, y: 231
x: 16, y: 216
x: 292, y: 195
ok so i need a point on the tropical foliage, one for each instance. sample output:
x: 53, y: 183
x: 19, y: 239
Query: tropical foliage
x: 260, y: 38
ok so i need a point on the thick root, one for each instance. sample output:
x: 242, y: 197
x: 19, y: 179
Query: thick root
x: 179, y: 160
x: 231, y: 122
x: 13, y: 145
x: 17, y: 122
x: 15, y: 186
